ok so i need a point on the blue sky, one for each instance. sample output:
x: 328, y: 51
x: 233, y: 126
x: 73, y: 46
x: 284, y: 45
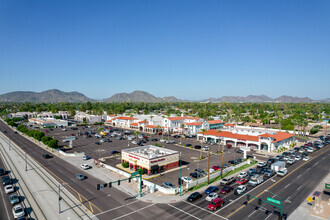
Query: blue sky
x: 188, y: 49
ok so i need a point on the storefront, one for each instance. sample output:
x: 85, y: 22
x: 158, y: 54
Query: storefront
x: 150, y: 158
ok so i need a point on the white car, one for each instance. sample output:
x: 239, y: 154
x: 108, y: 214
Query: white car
x: 162, y: 140
x: 85, y: 157
x: 84, y: 166
x: 301, y: 150
x: 134, y: 142
x: 241, y: 189
x: 310, y: 150
x: 286, y: 158
x: 206, y: 148
x: 18, y: 211
x: 212, y: 196
x: 242, y: 175
x: 261, y: 164
x: 9, y: 189
x: 211, y: 170
x: 186, y: 179
x: 297, y: 157
x: 306, y: 158
x: 290, y: 161
x: 282, y: 172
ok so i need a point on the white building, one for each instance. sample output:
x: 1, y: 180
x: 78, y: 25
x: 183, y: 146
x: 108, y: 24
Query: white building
x: 173, y: 124
x: 48, y: 122
x: 80, y: 116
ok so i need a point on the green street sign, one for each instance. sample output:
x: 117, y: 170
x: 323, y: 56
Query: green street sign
x: 135, y: 173
x: 327, y: 186
x: 278, y: 202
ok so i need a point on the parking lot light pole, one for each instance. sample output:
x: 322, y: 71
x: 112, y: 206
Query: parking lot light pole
x: 180, y: 173
x: 222, y: 159
x: 281, y: 206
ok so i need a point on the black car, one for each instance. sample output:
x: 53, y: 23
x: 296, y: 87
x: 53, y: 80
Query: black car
x: 46, y: 156
x: 239, y: 151
x: 232, y: 162
x: 263, y: 170
x: 4, y: 131
x: 194, y: 196
x: 154, y: 139
x: 197, y: 147
x: 271, y: 160
x: 6, y: 180
x: 195, y: 175
x: 188, y: 145
x: 2, y: 171
x: 115, y: 152
x: 98, y: 143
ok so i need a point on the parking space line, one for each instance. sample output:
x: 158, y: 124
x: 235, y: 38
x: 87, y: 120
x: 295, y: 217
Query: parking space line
x: 183, y: 211
x: 205, y: 210
x: 268, y: 216
x: 252, y: 213
x: 133, y: 212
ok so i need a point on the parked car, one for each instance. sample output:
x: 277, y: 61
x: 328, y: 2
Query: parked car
x: 80, y: 176
x: 197, y: 147
x: 216, y: 167
x: 186, y: 179
x: 252, y: 169
x: 6, y: 180
x: 115, y: 152
x: 18, y: 211
x: 306, y: 158
x: 212, y: 196
x: 84, y: 166
x: 242, y: 174
x: 13, y: 198
x: 278, y: 157
x: 98, y: 143
x: 2, y: 171
x: 239, y: 151
x: 194, y: 196
x: 9, y: 189
x: 206, y: 148
x: 286, y: 158
x: 226, y: 189
x: 85, y: 157
x: 196, y: 175
x: 263, y: 170
x: 188, y: 145
x: 241, y: 181
x: 227, y: 180
x: 168, y: 185
x: 297, y: 157
x: 154, y: 139
x: 269, y: 173
x: 271, y: 160
x: 211, y: 189
x: 198, y: 170
x: 290, y: 161
x: 215, y: 204
x: 241, y: 189
x: 282, y: 172
x: 261, y: 164
x: 310, y: 150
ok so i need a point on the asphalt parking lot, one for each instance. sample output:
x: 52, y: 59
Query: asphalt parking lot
x: 104, y: 150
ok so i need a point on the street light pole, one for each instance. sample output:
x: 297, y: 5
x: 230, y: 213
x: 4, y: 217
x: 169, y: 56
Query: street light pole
x: 222, y: 159
x: 59, y: 198
x: 281, y: 206
x: 25, y: 162
x: 180, y: 174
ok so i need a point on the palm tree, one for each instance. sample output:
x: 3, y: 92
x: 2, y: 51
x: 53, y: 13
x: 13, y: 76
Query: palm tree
x: 203, y: 131
x: 280, y: 117
x: 136, y: 133
x: 304, y: 124
x: 182, y: 129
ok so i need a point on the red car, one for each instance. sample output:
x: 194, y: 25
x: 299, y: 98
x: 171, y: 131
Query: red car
x: 216, y: 167
x: 242, y: 181
x: 159, y: 133
x: 215, y: 203
x: 228, y: 146
x: 226, y: 189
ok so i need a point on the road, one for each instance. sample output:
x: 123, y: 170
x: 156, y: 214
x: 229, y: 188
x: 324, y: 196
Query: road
x: 5, y: 206
x: 114, y: 204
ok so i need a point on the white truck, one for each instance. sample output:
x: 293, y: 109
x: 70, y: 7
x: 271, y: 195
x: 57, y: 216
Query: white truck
x: 282, y: 172
x: 256, y: 180
x: 278, y: 165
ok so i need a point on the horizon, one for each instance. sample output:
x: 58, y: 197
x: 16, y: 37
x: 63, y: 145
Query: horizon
x: 191, y: 50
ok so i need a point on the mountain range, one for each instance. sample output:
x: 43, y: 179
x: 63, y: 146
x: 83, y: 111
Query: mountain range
x: 55, y: 96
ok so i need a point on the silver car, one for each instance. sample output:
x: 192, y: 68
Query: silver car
x: 80, y: 176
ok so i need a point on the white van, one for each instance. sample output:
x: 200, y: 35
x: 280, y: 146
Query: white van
x: 282, y: 172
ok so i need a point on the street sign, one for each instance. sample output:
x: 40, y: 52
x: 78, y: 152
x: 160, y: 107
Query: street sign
x: 135, y: 173
x: 278, y: 202
x: 309, y: 199
x: 327, y: 186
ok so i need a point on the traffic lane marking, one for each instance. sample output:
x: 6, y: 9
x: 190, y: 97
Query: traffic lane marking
x: 278, y: 182
x: 252, y: 213
x: 133, y: 212
x: 287, y: 185
x: 183, y: 211
x: 299, y: 187
x: 213, y: 213
x: 299, y: 176
x: 268, y: 216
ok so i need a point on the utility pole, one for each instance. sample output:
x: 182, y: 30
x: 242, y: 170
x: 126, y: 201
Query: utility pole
x: 222, y: 159
x: 59, y: 199
x: 208, y: 166
x: 180, y: 173
x: 25, y: 162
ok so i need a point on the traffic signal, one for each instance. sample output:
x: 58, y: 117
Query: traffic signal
x: 179, y: 182
x: 60, y: 198
x: 247, y: 197
x: 98, y: 186
x: 141, y: 183
x: 110, y: 184
x: 105, y: 185
x: 259, y: 201
x: 129, y: 179
x: 118, y: 182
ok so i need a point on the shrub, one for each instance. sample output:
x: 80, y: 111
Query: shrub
x: 53, y: 143
x: 125, y: 164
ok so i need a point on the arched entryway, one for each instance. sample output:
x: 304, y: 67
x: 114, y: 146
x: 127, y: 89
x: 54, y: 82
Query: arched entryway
x: 140, y: 128
x: 253, y: 146
x: 264, y: 146
x: 232, y: 143
x: 239, y: 144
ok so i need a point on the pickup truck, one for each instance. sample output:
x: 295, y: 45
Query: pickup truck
x: 227, y: 181
x: 256, y: 180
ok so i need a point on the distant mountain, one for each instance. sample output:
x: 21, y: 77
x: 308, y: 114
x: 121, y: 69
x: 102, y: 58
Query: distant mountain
x: 139, y: 96
x: 52, y: 96
x: 263, y: 98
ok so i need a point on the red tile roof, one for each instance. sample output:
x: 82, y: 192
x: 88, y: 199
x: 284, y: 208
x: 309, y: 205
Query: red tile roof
x: 141, y: 122
x: 125, y: 118
x: 189, y: 117
x: 151, y: 126
x: 175, y: 118
x: 195, y: 123
x: 231, y: 135
x: 266, y: 135
x: 231, y: 125
x: 212, y: 122
x: 109, y: 121
x: 279, y: 136
x: 135, y: 124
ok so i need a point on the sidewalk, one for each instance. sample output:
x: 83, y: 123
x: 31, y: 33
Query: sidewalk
x: 40, y: 192
x: 316, y: 211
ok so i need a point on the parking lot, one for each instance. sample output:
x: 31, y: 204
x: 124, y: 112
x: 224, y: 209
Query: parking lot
x: 106, y: 150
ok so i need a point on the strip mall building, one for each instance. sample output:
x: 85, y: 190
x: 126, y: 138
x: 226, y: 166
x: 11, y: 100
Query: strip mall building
x: 249, y: 138
x: 150, y: 158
